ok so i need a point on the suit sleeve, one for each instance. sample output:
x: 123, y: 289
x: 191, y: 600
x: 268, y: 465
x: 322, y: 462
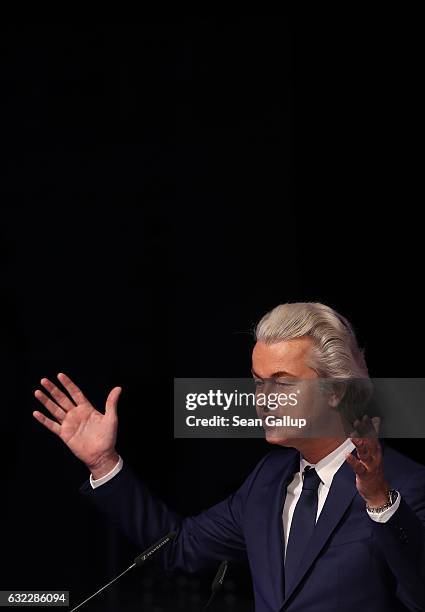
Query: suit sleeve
x: 203, y: 540
x: 402, y: 542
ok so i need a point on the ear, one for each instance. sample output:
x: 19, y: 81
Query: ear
x: 336, y: 395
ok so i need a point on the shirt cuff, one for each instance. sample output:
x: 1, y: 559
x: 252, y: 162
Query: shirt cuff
x: 100, y: 481
x: 385, y: 515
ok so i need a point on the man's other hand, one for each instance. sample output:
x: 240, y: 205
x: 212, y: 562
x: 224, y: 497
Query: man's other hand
x: 89, y: 434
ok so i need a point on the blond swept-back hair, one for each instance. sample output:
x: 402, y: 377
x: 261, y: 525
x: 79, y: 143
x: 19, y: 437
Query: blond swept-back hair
x: 335, y: 352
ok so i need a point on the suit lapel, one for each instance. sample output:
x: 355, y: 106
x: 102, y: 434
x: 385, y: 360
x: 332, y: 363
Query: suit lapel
x: 275, y: 532
x: 340, y: 495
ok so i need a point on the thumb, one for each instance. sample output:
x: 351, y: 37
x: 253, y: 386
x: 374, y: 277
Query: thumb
x: 112, y: 401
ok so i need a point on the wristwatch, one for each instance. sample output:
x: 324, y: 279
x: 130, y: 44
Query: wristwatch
x: 392, y: 498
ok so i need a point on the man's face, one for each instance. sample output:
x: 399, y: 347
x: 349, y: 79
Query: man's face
x: 288, y: 357
x: 284, y: 365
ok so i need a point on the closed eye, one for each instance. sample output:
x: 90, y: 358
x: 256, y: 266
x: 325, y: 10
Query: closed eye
x: 259, y: 382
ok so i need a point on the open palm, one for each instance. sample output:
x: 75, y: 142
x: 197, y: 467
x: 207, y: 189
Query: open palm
x: 90, y: 434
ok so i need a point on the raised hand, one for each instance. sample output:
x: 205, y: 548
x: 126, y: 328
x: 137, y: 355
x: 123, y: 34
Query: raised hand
x: 89, y: 434
x: 368, y: 465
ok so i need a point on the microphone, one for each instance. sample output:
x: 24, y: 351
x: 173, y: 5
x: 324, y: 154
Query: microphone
x: 217, y: 582
x: 145, y: 556
x: 138, y: 561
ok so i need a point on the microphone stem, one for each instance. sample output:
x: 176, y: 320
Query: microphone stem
x: 104, y: 587
x: 207, y: 605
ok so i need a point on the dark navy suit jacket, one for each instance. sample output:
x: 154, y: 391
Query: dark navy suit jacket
x: 352, y: 563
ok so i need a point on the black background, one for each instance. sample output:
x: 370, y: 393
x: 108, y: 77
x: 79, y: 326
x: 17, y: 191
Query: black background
x: 165, y: 183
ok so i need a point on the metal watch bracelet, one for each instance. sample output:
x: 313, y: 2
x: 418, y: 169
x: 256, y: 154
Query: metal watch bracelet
x: 392, y: 497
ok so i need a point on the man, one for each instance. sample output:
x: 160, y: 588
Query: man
x: 328, y: 524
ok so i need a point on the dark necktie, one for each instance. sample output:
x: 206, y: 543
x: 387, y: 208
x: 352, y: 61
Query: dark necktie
x: 302, y: 525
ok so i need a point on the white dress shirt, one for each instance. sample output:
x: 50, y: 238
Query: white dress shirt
x: 326, y: 469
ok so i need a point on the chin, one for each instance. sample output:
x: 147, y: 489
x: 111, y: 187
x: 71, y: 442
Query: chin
x: 273, y: 439
x: 289, y: 437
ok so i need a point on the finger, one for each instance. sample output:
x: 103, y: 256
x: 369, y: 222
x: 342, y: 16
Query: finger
x: 369, y: 429
x: 359, y: 428
x: 58, y: 395
x: 367, y: 446
x: 112, y: 401
x: 356, y: 465
x: 373, y: 450
x: 369, y: 453
x: 363, y: 449
x: 365, y: 427
x: 53, y: 408
x: 51, y: 425
x: 76, y: 394
x: 376, y: 422
x: 365, y: 457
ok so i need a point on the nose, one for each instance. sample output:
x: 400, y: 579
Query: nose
x: 262, y: 393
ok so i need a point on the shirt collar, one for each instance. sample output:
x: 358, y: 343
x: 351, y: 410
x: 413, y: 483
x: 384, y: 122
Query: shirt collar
x: 327, y: 467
